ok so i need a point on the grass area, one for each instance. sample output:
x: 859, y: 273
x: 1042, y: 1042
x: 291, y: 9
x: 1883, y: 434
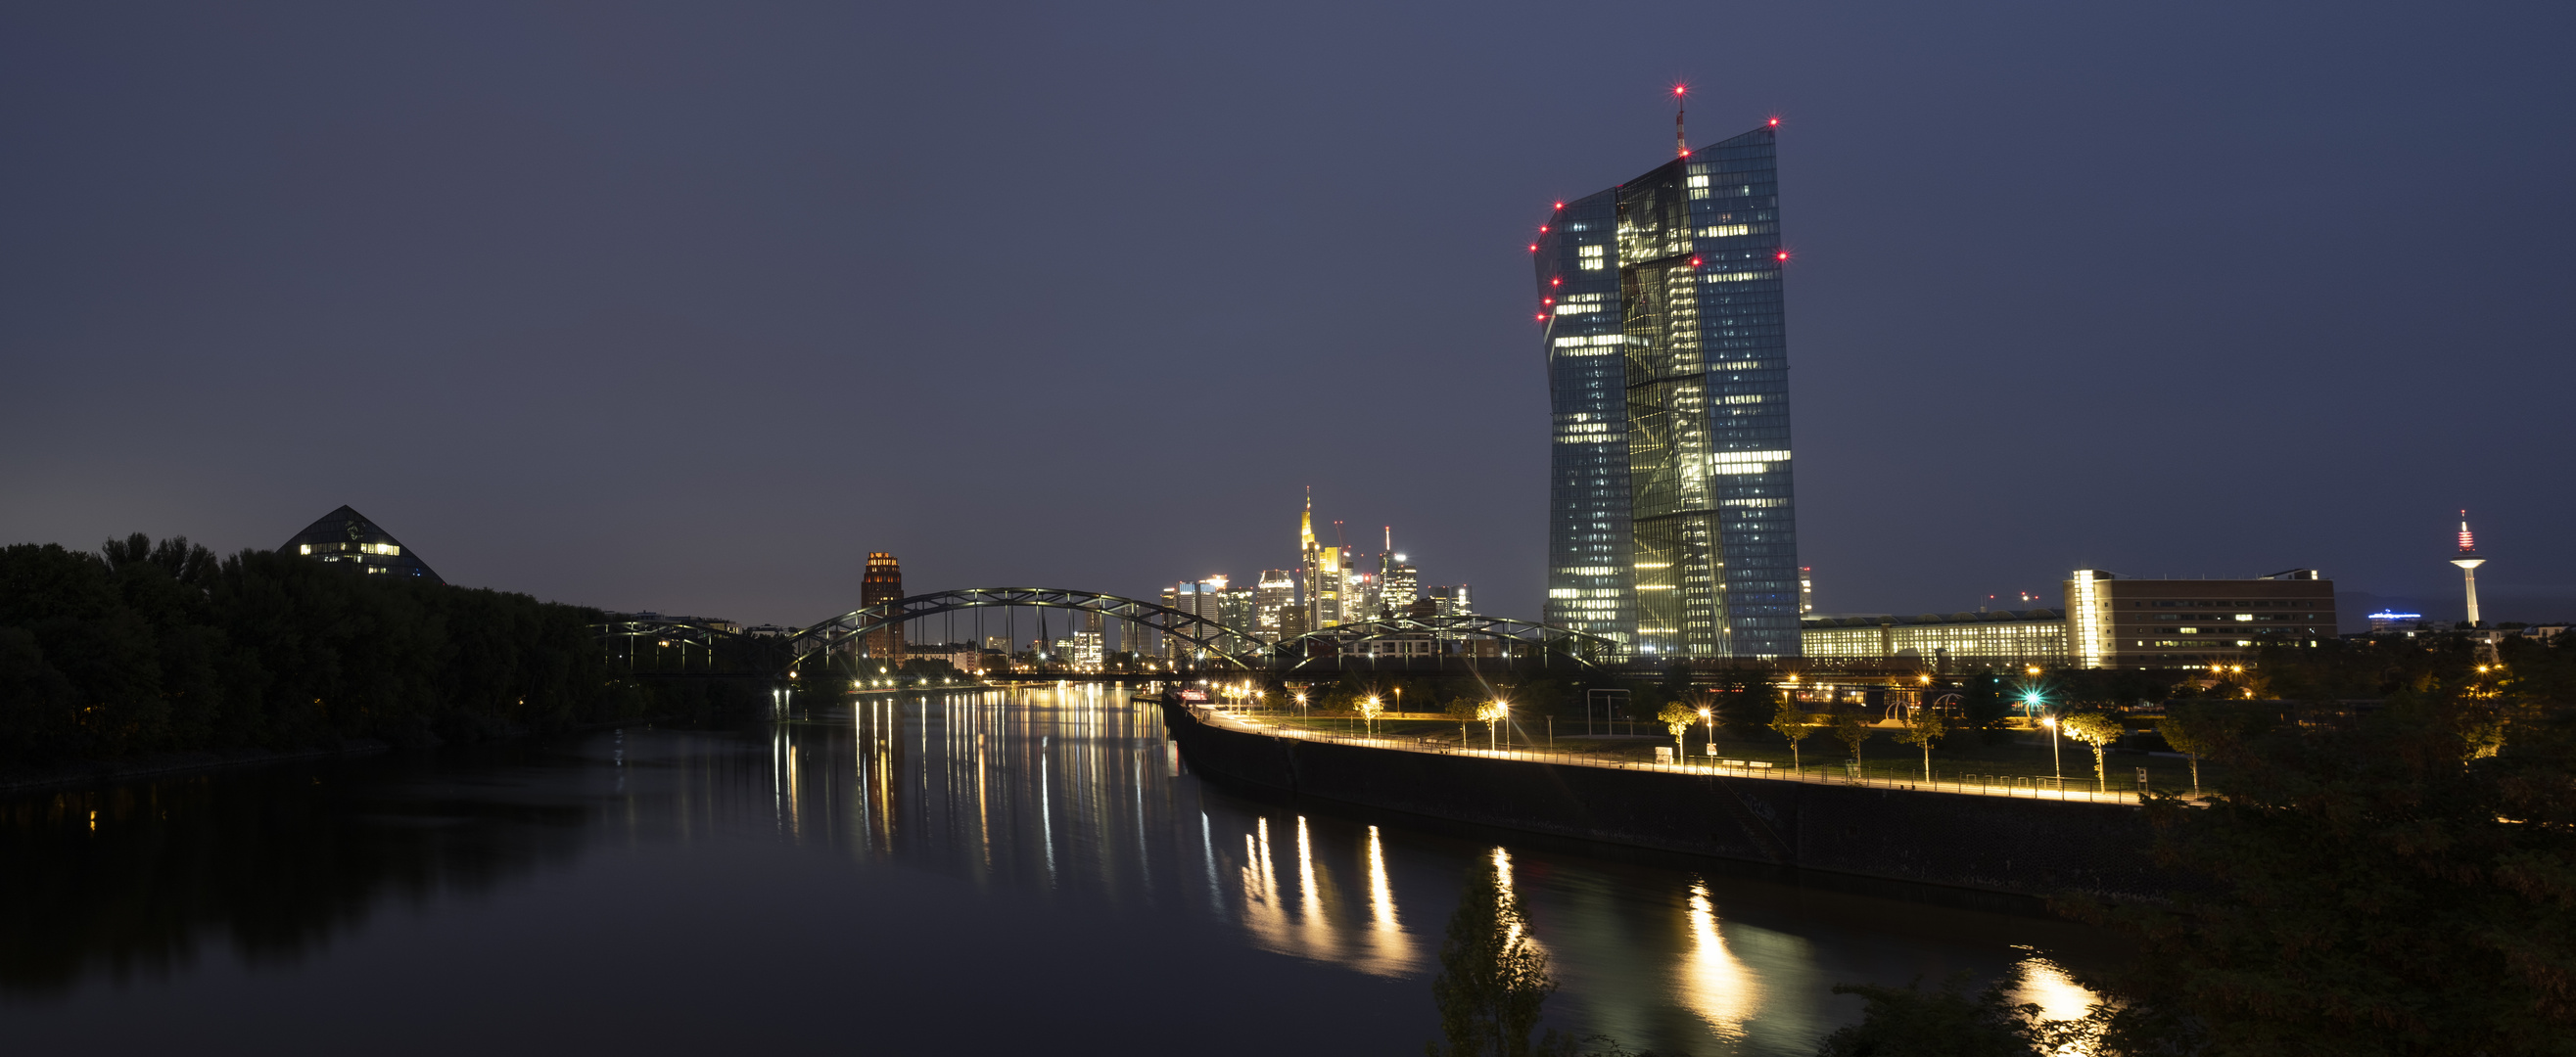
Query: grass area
x: 2020, y: 755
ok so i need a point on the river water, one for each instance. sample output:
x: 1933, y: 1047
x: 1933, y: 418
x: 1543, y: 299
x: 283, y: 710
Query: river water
x: 970, y: 872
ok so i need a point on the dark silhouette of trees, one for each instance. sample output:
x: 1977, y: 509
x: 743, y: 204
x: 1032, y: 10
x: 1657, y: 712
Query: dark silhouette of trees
x: 160, y: 646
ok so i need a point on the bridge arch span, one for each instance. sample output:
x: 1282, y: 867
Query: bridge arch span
x: 1212, y: 640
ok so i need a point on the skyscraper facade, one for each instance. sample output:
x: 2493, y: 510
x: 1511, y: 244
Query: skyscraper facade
x: 1671, y: 526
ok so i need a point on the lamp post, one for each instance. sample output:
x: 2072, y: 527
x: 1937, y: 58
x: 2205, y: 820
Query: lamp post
x: 2053, y: 759
x: 1708, y: 728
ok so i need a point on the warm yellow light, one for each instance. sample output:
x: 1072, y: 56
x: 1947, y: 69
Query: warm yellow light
x: 2049, y: 722
x: 1703, y: 713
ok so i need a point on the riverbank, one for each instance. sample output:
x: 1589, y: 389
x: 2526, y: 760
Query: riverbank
x: 154, y: 765
x: 2023, y: 846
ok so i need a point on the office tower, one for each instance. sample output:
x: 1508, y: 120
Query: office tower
x: 1451, y: 601
x: 1359, y: 595
x: 2468, y: 561
x: 1203, y: 599
x: 1276, y: 595
x: 346, y: 536
x: 1671, y: 526
x: 1398, y: 585
x: 882, y: 583
x: 1237, y: 607
x: 1322, y: 572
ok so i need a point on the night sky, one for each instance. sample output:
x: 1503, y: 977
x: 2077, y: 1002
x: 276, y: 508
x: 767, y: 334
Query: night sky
x: 687, y: 307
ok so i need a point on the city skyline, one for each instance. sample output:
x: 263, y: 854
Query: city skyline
x: 441, y: 273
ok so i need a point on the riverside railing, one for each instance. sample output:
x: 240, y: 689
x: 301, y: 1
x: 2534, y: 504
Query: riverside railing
x: 1962, y: 782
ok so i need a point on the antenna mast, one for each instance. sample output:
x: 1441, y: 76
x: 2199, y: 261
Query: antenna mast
x: 1681, y: 142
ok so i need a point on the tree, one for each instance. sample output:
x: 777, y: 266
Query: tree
x: 1983, y: 707
x: 2099, y: 730
x: 1924, y: 725
x: 1493, y: 981
x: 1851, y: 731
x: 1795, y: 725
x: 1677, y: 717
x: 2364, y: 884
x: 2198, y: 728
x: 1911, y: 1022
x: 1745, y: 702
x: 1464, y: 711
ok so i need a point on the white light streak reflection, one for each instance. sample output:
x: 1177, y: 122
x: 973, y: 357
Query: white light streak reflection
x: 1387, y: 950
x: 1714, y: 983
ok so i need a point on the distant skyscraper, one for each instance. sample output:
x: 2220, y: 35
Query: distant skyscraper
x: 2468, y: 561
x: 883, y: 582
x: 346, y: 536
x: 1322, y: 571
x: 1671, y: 526
x: 1271, y: 601
x: 1806, y: 590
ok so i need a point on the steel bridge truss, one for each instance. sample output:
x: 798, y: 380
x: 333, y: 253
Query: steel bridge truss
x: 1520, y: 638
x: 1207, y: 638
x: 652, y: 646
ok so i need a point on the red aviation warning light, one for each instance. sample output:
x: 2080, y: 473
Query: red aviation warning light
x: 1694, y: 262
x: 1775, y: 122
x: 1784, y: 255
x: 1556, y: 282
x: 1533, y: 247
x: 1560, y: 205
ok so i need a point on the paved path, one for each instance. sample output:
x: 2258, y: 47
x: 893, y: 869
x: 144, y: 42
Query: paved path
x: 1966, y: 784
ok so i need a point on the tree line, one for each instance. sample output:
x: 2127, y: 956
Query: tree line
x: 148, y: 646
x: 2390, y: 871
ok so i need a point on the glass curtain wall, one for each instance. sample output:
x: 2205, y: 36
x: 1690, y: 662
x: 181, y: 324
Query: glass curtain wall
x: 1672, y: 525
x: 1589, y: 585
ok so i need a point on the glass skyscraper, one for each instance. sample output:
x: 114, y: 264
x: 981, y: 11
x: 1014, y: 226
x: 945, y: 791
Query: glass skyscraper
x: 1671, y: 523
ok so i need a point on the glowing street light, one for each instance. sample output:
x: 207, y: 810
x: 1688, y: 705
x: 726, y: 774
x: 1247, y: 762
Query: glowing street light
x: 1708, y: 727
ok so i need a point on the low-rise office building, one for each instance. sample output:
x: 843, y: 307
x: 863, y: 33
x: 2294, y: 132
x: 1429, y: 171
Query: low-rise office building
x: 1944, y: 641
x: 2110, y: 621
x: 2117, y: 621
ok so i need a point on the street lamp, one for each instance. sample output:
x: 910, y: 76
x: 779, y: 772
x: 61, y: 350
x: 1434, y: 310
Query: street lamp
x: 2053, y: 758
x: 1708, y: 728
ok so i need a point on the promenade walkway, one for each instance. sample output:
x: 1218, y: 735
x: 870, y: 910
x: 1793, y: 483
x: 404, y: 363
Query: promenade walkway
x: 1969, y: 784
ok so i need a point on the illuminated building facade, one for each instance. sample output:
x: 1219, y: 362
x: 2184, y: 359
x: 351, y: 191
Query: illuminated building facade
x: 1671, y: 526
x: 1321, y: 569
x: 1272, y: 600
x: 1944, y: 641
x: 882, y: 583
x: 346, y: 537
x: 2114, y: 621
x: 1399, y: 584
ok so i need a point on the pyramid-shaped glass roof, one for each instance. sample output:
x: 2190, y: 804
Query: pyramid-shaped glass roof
x: 344, y: 535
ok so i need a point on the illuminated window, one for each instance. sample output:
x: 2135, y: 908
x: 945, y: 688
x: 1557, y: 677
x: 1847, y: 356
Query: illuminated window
x: 1590, y: 258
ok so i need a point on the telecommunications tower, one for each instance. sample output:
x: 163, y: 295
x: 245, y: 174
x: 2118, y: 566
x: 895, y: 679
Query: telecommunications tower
x: 2468, y: 561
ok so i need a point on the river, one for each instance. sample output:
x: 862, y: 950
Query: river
x: 968, y: 872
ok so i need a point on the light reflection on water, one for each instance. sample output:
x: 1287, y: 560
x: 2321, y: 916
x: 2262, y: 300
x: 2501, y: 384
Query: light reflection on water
x: 1650, y: 953
x: 1065, y: 811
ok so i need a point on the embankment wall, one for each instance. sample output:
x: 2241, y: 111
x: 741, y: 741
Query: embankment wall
x: 2032, y: 847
